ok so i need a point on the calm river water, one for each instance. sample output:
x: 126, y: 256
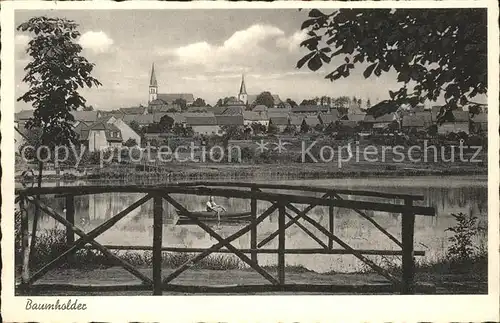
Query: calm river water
x: 450, y: 194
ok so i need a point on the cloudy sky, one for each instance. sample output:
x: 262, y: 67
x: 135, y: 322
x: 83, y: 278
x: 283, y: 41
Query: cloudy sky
x: 203, y: 52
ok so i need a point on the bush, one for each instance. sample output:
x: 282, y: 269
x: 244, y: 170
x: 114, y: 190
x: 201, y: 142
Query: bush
x: 462, y: 247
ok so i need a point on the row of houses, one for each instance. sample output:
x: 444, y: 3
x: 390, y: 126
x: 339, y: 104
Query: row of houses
x: 99, y: 130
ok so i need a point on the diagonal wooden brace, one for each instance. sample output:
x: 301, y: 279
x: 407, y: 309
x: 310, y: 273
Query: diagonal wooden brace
x: 49, y: 211
x: 219, y: 245
x: 307, y: 231
x: 378, y: 226
x: 354, y: 252
x: 290, y: 223
x: 227, y: 244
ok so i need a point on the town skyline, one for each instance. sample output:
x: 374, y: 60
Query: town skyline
x: 206, y: 58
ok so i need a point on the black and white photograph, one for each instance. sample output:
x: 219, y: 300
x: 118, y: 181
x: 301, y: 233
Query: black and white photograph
x: 278, y: 150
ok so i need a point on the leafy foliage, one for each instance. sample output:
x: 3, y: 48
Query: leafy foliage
x: 265, y: 98
x: 54, y: 74
x: 181, y: 102
x: 131, y: 142
x: 439, y: 52
x: 462, y: 246
x: 292, y: 103
x: 272, y: 129
x: 199, y: 102
x: 304, y: 127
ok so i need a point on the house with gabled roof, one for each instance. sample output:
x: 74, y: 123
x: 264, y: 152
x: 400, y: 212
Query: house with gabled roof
x: 125, y: 130
x: 280, y: 122
x: 100, y: 136
x: 86, y: 116
x: 312, y: 121
x: 455, y: 121
x: 311, y: 109
x: 203, y: 123
x: 328, y: 118
x: 250, y: 117
x: 416, y: 121
x: 230, y: 120
x: 140, y: 110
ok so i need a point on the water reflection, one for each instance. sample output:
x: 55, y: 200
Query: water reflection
x: 448, y: 195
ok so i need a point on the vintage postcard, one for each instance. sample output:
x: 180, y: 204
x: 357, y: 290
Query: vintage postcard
x: 278, y: 162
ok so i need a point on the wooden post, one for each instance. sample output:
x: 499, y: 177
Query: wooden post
x: 25, y: 274
x: 70, y: 216
x: 331, y: 221
x: 33, y: 232
x: 281, y: 245
x: 407, y: 232
x: 157, y: 244
x: 253, y: 230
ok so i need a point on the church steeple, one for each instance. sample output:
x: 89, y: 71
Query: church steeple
x: 153, y: 85
x: 242, y: 96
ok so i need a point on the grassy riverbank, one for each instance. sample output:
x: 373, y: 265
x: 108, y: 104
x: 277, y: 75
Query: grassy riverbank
x: 196, y: 171
x: 89, y: 266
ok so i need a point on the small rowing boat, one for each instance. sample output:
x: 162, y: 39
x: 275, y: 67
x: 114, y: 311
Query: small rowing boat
x: 211, y: 217
x: 227, y: 221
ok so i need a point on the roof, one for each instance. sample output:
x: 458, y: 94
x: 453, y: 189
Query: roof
x: 327, y: 118
x: 461, y: 116
x: 178, y: 117
x: 82, y: 130
x: 116, y: 114
x: 197, y: 109
x: 108, y: 128
x: 311, y: 108
x: 481, y: 118
x: 23, y: 115
x: 278, y: 110
x: 157, y: 116
x: 171, y: 97
x: 232, y: 110
x: 278, y: 121
x: 255, y: 116
x: 382, y: 119
x: 260, y: 108
x: 356, y: 117
x: 205, y: 120
x: 223, y: 120
x: 296, y: 119
x: 152, y: 81
x: 311, y: 120
x: 134, y: 110
x: 349, y: 123
x: 139, y: 118
x: 86, y: 116
x: 413, y: 121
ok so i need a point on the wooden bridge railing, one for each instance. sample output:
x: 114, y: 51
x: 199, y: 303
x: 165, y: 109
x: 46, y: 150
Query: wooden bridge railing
x: 283, y: 203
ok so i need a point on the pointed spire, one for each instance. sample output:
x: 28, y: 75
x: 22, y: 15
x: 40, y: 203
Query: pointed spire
x: 152, y: 81
x: 243, y: 88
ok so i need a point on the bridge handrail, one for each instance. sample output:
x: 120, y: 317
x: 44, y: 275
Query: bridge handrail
x: 144, y: 188
x: 232, y: 193
x: 315, y: 189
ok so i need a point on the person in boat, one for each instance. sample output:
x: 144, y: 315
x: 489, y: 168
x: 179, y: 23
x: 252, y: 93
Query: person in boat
x: 213, y: 207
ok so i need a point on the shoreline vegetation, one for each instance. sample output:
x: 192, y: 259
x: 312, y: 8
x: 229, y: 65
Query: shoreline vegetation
x: 190, y: 171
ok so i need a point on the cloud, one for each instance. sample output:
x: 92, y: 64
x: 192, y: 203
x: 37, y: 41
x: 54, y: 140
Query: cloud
x: 292, y: 43
x: 236, y: 50
x: 96, y: 41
